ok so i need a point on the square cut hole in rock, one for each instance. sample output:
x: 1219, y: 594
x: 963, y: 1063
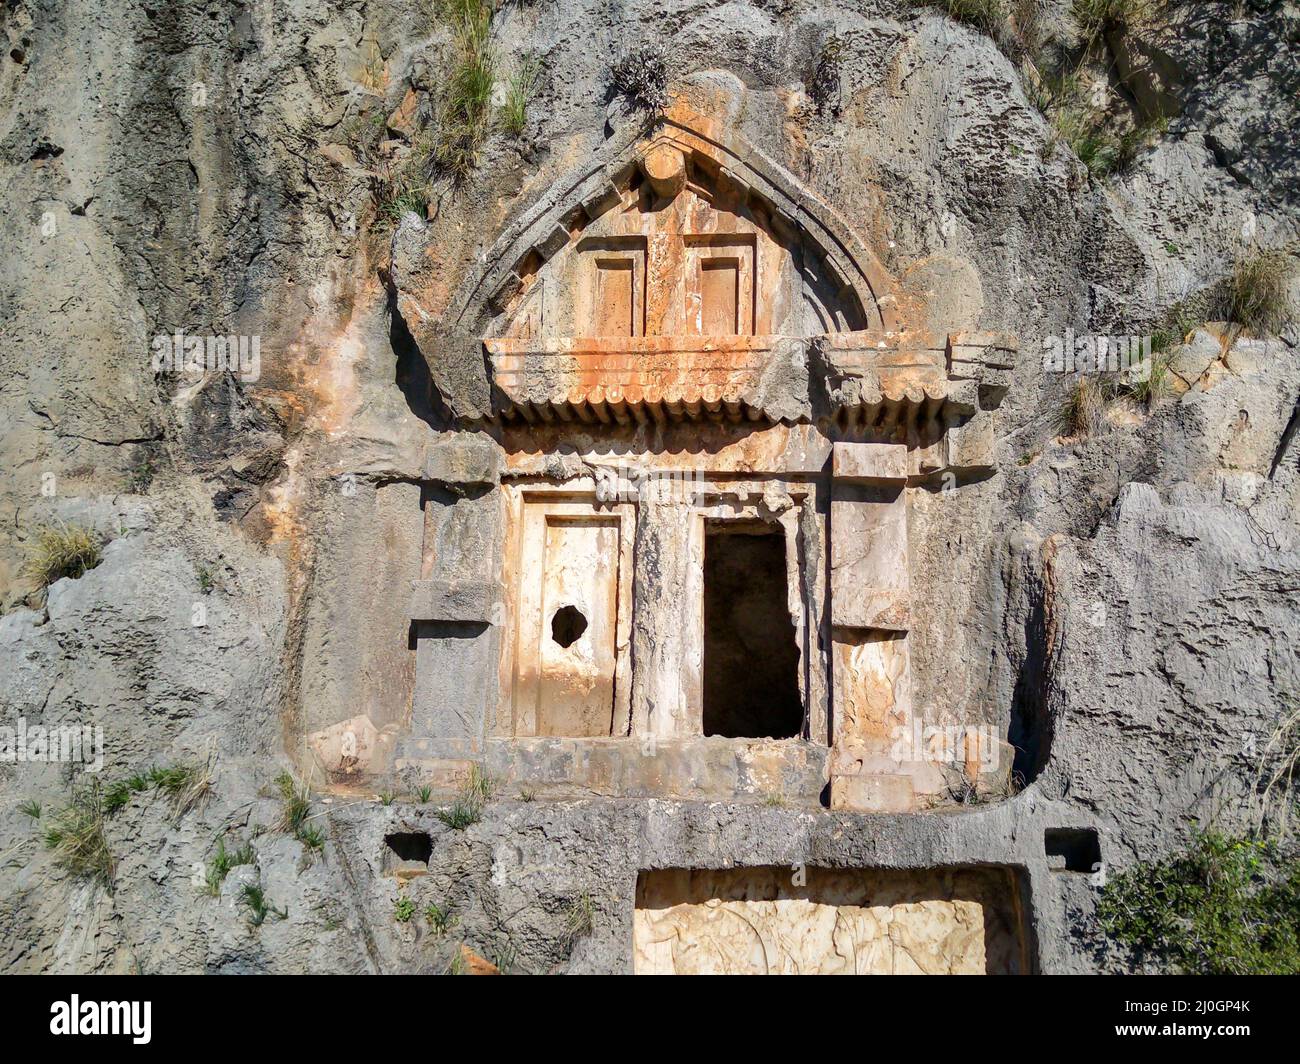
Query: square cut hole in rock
x: 407, y: 852
x: 1072, y: 849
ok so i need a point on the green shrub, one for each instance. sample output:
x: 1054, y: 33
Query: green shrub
x: 62, y: 550
x: 1227, y: 906
x: 641, y: 77
x: 403, y: 909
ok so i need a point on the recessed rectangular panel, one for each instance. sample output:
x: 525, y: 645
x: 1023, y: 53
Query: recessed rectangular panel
x: 615, y: 300
x: 719, y: 295
x: 830, y: 921
x: 579, y: 616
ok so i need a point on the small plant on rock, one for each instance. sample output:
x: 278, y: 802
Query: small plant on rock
x: 403, y: 909
x: 188, y: 786
x: 62, y: 550
x: 641, y: 77
x: 467, y: 94
x: 465, y: 811
x: 439, y: 917
x: 259, y: 906
x: 222, y: 862
x: 1095, y: 17
x: 313, y: 838
x: 76, y: 836
x: 1084, y: 410
x: 519, y: 94
x: 580, y: 919
x: 1256, y: 295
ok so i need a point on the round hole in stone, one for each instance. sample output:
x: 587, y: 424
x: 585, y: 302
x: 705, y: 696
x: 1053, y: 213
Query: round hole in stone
x: 567, y: 625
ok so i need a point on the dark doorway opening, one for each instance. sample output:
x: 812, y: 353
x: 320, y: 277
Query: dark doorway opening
x: 751, y: 658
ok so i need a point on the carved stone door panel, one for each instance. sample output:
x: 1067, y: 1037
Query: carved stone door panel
x: 571, y: 637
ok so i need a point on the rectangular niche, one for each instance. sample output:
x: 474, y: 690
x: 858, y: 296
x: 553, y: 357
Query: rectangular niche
x: 751, y: 653
x: 721, y: 285
x: 613, y: 288
x: 763, y: 921
x: 571, y: 595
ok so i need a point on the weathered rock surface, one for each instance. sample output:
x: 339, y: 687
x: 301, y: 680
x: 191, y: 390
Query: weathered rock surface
x: 1122, y: 606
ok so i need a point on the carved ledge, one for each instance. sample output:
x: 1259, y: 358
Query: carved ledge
x: 867, y: 379
x: 620, y: 379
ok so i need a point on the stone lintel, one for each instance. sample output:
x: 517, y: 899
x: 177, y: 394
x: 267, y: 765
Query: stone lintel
x: 464, y: 460
x: 869, y: 463
x: 443, y: 600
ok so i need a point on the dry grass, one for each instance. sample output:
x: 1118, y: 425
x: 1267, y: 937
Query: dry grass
x: 1095, y: 17
x: 1084, y: 410
x: 519, y: 94
x: 466, y: 99
x: 580, y: 918
x: 1275, y: 778
x: 987, y: 15
x: 188, y: 786
x: 62, y: 550
x: 76, y: 837
x: 1256, y: 294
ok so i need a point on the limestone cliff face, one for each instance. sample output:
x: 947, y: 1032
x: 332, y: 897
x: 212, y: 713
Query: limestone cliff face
x: 1118, y: 606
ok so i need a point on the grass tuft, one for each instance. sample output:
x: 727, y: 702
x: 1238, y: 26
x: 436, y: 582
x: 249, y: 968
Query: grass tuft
x: 467, y: 95
x: 222, y: 862
x: 1095, y: 17
x: 31, y: 808
x: 402, y: 196
x: 295, y: 804
x: 1084, y: 410
x: 1256, y: 294
x: 76, y: 836
x: 467, y: 809
x: 987, y: 15
x: 259, y: 906
x: 62, y: 550
x: 519, y: 94
x: 580, y: 919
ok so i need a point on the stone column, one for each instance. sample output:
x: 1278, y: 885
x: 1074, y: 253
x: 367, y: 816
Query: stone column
x: 667, y: 624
